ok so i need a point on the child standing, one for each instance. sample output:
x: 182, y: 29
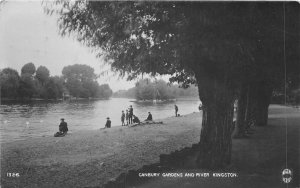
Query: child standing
x: 123, y: 118
x: 127, y: 117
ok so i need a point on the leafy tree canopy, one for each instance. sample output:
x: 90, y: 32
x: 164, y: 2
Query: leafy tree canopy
x: 104, y: 91
x: 28, y: 68
x: 9, y: 82
x: 78, y: 80
x: 178, y: 38
x: 42, y: 74
x: 82, y: 73
x: 81, y: 82
x: 27, y: 87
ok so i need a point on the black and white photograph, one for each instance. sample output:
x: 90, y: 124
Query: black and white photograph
x: 149, y: 94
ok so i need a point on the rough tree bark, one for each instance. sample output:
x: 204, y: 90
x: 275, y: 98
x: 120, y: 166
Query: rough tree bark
x: 215, y: 137
x: 262, y: 114
x: 263, y: 99
x: 251, y: 106
x: 240, y: 125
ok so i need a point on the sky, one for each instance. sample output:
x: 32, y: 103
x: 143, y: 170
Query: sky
x: 27, y: 34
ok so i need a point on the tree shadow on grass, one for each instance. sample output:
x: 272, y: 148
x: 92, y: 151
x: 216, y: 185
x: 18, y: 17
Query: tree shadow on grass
x: 179, y: 159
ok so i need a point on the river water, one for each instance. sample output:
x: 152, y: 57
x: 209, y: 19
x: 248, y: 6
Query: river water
x: 21, y: 121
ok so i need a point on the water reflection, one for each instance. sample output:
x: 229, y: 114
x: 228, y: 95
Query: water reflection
x: 40, y: 118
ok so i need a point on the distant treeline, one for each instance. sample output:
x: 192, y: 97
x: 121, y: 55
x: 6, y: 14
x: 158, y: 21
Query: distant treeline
x: 146, y: 89
x: 76, y: 81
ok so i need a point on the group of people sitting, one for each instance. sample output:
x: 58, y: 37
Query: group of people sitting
x: 129, y: 117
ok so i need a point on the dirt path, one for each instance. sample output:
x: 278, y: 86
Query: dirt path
x: 258, y: 160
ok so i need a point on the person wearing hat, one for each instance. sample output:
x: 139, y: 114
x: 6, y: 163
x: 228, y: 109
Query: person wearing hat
x: 63, y: 128
x: 108, y: 123
x: 149, y: 118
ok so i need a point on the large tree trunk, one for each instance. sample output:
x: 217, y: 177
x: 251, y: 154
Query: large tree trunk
x: 263, y: 99
x: 251, y: 107
x: 215, y: 139
x: 240, y: 125
x: 262, y: 113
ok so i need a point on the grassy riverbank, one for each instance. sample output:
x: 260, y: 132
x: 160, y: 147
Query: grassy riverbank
x: 91, y: 158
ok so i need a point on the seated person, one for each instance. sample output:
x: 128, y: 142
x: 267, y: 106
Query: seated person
x: 200, y: 107
x: 108, y: 123
x: 136, y: 120
x: 63, y: 128
x: 149, y: 118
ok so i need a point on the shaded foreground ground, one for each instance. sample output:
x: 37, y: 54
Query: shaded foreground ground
x: 91, y: 158
x: 258, y: 160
